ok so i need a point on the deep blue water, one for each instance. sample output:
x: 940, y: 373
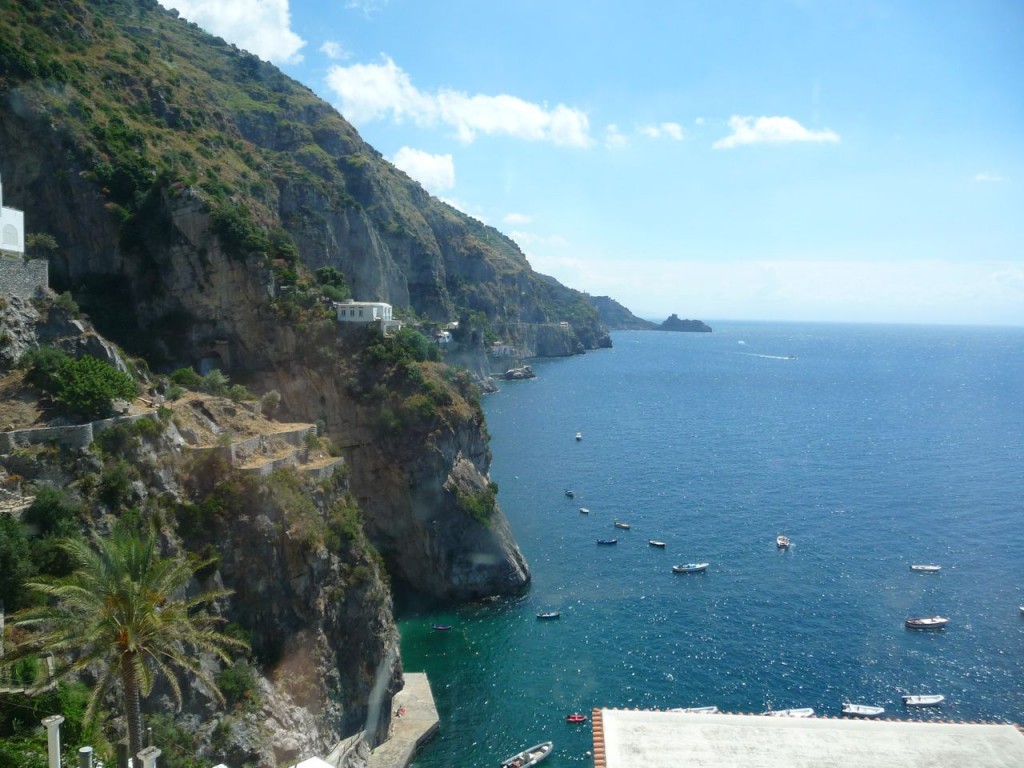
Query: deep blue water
x: 872, y: 447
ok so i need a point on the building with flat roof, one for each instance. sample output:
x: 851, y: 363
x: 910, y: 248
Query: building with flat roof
x: 12, y: 227
x: 654, y: 739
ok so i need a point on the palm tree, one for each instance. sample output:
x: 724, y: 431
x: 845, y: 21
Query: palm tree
x: 124, y: 609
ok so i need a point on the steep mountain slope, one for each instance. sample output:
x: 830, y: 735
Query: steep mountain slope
x: 193, y: 181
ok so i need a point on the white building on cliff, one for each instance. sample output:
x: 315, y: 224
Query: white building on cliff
x: 12, y: 227
x: 362, y: 311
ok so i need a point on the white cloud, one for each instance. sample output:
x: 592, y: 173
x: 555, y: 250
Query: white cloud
x: 368, y: 7
x: 662, y: 130
x: 262, y: 27
x: 333, y: 50
x: 991, y: 178
x: 528, y: 240
x: 517, y: 219
x: 435, y: 172
x: 699, y: 121
x: 614, y: 138
x: 378, y: 91
x: 770, y: 130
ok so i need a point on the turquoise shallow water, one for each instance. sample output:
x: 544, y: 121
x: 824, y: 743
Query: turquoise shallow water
x: 872, y: 447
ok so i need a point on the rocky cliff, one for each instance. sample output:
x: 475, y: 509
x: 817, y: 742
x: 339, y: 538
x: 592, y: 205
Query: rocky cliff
x: 201, y: 206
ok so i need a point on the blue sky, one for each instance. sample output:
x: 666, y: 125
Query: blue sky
x: 788, y: 160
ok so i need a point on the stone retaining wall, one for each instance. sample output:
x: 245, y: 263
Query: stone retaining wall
x: 22, y: 278
x: 75, y: 436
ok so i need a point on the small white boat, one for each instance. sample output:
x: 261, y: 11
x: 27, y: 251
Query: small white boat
x: 926, y: 568
x: 658, y: 544
x: 861, y: 710
x: 549, y: 615
x: 569, y: 494
x: 690, y: 568
x: 927, y: 622
x: 798, y: 712
x: 529, y: 757
x: 696, y: 710
x: 1022, y: 610
x: 619, y: 524
x: 579, y: 436
x: 584, y: 511
x: 924, y: 700
x: 782, y: 542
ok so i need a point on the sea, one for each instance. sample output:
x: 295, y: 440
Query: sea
x: 872, y: 447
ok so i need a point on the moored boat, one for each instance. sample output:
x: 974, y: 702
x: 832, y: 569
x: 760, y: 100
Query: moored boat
x: 575, y: 717
x: 529, y: 757
x: 441, y: 627
x: 658, y: 544
x: 927, y: 622
x: 579, y: 436
x: 549, y: 615
x: 607, y: 542
x: 690, y: 568
x: 584, y: 511
x: 861, y: 710
x: 569, y: 494
x: 924, y: 700
x: 622, y: 525
x: 782, y: 542
x: 926, y: 568
x: 796, y: 712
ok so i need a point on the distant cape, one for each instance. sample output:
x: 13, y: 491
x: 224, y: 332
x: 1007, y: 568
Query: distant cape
x: 675, y: 324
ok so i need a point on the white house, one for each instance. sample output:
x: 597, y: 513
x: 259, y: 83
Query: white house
x: 362, y: 311
x: 12, y: 227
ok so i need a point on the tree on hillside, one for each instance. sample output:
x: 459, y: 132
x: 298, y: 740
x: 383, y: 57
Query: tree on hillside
x: 125, y: 609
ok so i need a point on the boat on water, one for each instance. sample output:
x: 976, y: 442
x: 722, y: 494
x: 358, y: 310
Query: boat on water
x: 441, y: 627
x: 690, y: 568
x: 549, y: 615
x: 584, y: 511
x: 782, y: 542
x: 575, y: 717
x: 927, y: 622
x: 622, y: 525
x: 579, y: 436
x: 607, y: 542
x: 926, y: 568
x: 1022, y: 610
x: 569, y: 494
x: 658, y: 544
x: 797, y: 712
x: 924, y: 700
x: 696, y: 710
x: 529, y: 757
x: 861, y: 710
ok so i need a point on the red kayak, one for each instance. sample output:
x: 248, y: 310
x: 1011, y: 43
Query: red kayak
x: 575, y: 718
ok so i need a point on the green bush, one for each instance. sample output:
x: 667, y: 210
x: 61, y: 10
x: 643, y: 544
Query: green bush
x: 85, y: 387
x: 15, y: 562
x: 186, y: 377
x: 239, y: 685
x: 480, y: 505
x: 215, y: 382
x: 116, y: 483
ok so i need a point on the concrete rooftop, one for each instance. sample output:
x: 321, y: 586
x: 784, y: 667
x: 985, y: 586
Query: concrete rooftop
x: 635, y: 739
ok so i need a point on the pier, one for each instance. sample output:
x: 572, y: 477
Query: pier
x: 413, y: 721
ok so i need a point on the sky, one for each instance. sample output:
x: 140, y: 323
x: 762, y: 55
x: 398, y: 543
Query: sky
x: 792, y: 160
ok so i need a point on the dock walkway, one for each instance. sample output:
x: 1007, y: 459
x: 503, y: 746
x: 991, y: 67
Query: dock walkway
x: 413, y: 727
